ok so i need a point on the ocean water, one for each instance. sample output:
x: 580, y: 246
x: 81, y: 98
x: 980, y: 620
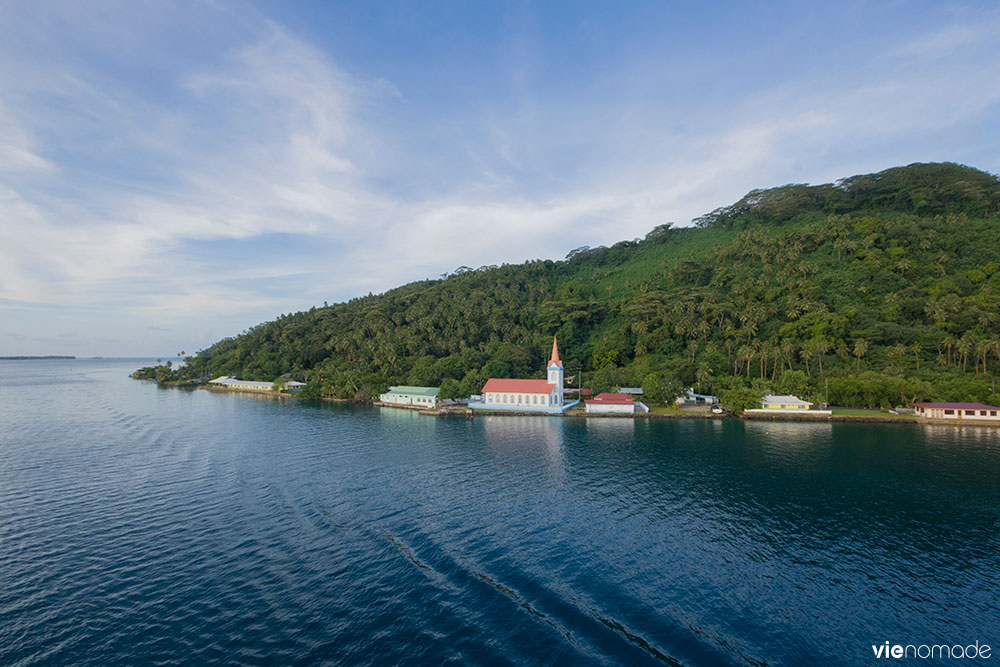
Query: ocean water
x: 141, y: 525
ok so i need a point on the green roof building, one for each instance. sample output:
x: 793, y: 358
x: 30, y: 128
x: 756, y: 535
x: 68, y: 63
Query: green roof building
x: 417, y: 397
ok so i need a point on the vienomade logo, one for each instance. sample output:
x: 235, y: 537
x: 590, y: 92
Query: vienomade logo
x: 934, y: 651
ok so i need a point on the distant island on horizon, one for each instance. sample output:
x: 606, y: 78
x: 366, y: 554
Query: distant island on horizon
x: 31, y: 357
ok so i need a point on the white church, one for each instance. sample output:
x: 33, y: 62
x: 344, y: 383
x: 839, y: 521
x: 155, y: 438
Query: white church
x: 527, y: 395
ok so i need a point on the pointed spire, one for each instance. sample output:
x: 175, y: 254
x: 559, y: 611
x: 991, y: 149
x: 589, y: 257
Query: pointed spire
x: 554, y: 359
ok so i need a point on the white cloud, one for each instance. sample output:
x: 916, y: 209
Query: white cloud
x: 274, y: 159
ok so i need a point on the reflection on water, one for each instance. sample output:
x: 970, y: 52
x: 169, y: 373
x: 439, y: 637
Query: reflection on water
x: 789, y: 432
x: 965, y: 435
x: 523, y: 436
x: 612, y: 428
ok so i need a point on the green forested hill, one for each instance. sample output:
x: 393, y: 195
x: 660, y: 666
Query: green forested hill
x: 879, y: 289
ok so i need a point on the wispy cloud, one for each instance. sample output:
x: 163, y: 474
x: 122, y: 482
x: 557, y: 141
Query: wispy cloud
x: 112, y: 184
x: 967, y: 32
x: 261, y: 144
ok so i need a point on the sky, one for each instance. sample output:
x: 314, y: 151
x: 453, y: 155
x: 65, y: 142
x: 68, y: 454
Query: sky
x: 172, y: 173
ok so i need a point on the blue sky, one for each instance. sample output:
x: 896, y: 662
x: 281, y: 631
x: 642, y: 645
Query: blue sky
x: 173, y: 173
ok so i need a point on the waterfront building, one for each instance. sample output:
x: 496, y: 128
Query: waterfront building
x: 784, y: 402
x: 527, y: 395
x: 787, y: 404
x: 421, y: 397
x: 958, y: 411
x: 631, y: 391
x: 253, y: 385
x: 615, y: 403
x: 692, y: 398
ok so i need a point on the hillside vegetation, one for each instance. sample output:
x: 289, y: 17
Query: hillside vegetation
x: 877, y: 290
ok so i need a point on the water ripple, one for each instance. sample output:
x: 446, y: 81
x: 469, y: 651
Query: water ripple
x: 141, y: 525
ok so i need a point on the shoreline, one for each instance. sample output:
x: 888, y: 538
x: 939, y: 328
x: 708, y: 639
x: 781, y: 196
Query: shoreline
x: 783, y: 417
x: 469, y: 414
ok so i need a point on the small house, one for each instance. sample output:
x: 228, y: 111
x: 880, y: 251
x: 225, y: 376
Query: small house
x: 615, y: 403
x: 417, y: 397
x: 692, y: 398
x: 786, y: 402
x: 772, y: 404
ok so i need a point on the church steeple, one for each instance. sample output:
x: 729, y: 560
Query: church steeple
x: 554, y: 359
x: 555, y: 372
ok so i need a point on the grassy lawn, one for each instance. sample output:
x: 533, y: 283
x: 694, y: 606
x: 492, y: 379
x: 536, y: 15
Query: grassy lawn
x: 861, y: 412
x: 666, y: 410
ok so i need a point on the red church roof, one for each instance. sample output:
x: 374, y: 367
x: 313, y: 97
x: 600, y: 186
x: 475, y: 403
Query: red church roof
x: 515, y: 386
x: 554, y: 359
x: 612, y: 399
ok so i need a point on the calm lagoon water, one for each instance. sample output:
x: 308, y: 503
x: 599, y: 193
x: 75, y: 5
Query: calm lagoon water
x: 142, y: 525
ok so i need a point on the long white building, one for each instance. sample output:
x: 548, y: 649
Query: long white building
x: 958, y: 411
x: 253, y: 385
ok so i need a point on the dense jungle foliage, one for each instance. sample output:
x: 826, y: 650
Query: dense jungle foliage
x: 877, y: 290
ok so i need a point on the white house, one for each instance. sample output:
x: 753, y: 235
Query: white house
x: 616, y: 403
x: 784, y: 402
x: 253, y: 385
x: 958, y: 411
x: 419, y: 397
x: 691, y: 398
x: 526, y: 395
x: 787, y: 404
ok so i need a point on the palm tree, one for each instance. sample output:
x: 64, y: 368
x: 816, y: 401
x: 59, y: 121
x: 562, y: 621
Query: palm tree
x: 916, y: 349
x: 995, y: 347
x: 966, y: 346
x: 860, y: 349
x: 807, y: 354
x: 702, y: 376
x: 940, y: 264
x: 821, y: 347
x: 765, y: 352
x: 949, y: 343
x: 743, y: 357
x: 788, y: 348
x: 982, y: 349
x: 703, y: 328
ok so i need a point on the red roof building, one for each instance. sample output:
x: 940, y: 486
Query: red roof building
x: 528, y: 395
x: 609, y: 398
x: 518, y: 386
x: 615, y: 402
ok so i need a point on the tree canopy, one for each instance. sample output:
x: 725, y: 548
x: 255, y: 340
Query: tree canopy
x: 879, y: 289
